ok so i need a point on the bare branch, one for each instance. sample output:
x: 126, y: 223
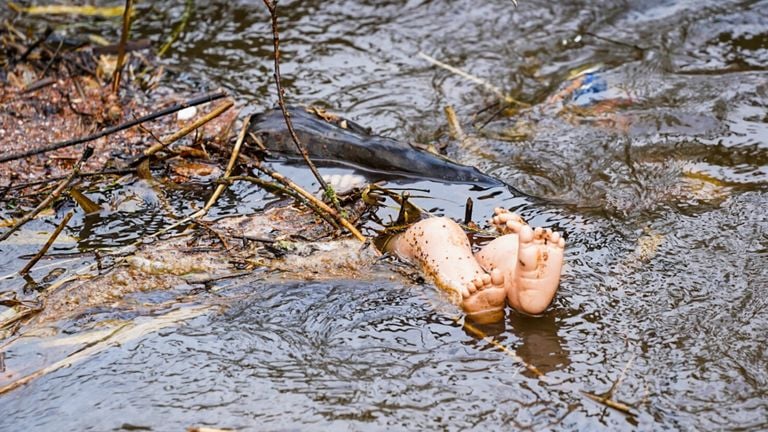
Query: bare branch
x: 272, y: 6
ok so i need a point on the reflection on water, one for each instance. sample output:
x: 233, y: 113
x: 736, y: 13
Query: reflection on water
x: 540, y: 344
x: 684, y: 163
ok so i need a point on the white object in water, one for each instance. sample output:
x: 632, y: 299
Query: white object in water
x: 187, y: 113
x: 343, y: 183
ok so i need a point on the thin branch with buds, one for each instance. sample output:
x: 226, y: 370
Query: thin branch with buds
x: 328, y: 191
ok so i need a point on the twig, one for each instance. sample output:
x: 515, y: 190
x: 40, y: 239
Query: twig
x: 151, y: 134
x: 6, y: 189
x: 255, y: 238
x: 479, y: 333
x: 402, y: 214
x: 184, y: 132
x: 618, y: 406
x: 287, y: 191
x: 121, y: 47
x: 47, y: 245
x: 218, y: 235
x: 208, y: 280
x: 230, y: 165
x: 503, y: 348
x: 189, y: 5
x: 82, y: 174
x: 453, y: 124
x: 468, y: 211
x: 88, y: 206
x: 327, y: 190
x: 614, y: 41
x: 466, y: 142
x: 37, y: 85
x: 491, y: 118
x: 291, y: 191
x: 14, y: 321
x: 207, y: 97
x: 607, y: 397
x: 134, y: 45
x: 53, y: 58
x: 79, y: 89
x: 48, y: 31
x: 308, y: 196
x: 55, y: 194
x: 482, y: 82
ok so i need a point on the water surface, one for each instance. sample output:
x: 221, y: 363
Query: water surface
x: 663, y: 202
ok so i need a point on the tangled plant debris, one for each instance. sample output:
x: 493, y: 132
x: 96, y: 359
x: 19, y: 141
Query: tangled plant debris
x: 74, y: 127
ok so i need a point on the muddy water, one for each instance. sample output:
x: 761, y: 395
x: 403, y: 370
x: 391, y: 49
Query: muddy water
x: 663, y: 199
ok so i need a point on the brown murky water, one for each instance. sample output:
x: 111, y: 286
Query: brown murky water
x: 664, y: 201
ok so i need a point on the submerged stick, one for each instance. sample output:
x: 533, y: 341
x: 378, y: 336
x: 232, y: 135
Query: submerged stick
x: 204, y: 98
x: 219, y: 110
x: 453, y: 123
x: 81, y: 175
x: 55, y: 194
x: 47, y: 245
x: 610, y: 403
x: 37, y: 85
x: 607, y: 397
x: 479, y: 333
x: 465, y: 142
x: 88, y: 206
x: 620, y: 379
x: 617, y: 42
x: 480, y: 81
x: 188, y: 7
x: 328, y: 191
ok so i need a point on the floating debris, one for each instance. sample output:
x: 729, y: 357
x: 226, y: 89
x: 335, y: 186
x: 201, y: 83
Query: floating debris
x: 104, y: 12
x: 187, y: 114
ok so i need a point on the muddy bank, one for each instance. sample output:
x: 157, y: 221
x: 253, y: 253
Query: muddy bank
x: 263, y: 245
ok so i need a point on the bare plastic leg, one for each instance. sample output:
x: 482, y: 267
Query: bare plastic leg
x: 530, y: 261
x: 441, y: 248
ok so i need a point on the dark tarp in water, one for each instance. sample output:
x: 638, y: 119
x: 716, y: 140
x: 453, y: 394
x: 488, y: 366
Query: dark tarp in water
x: 355, y: 145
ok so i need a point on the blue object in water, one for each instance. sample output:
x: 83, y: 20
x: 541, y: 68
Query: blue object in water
x: 589, y: 91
